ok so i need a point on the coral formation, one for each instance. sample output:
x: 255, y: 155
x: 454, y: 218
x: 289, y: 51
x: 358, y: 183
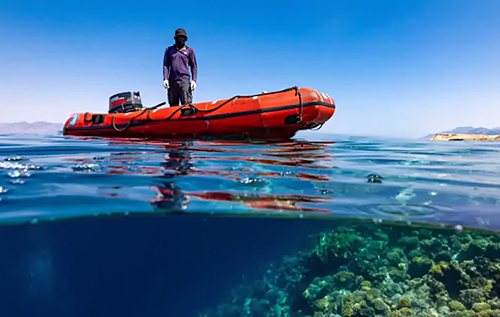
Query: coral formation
x: 379, y: 270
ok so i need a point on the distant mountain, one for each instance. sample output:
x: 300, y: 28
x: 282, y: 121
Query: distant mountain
x: 467, y: 130
x: 38, y: 127
x: 472, y: 130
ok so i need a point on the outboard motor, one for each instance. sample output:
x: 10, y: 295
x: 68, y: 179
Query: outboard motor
x: 125, y: 102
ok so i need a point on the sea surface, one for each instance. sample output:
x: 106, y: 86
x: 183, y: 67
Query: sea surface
x: 130, y: 227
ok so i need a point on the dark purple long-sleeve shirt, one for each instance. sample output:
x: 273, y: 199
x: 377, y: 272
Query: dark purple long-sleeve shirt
x: 176, y: 63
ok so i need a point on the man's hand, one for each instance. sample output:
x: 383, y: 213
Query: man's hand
x: 165, y: 84
x: 193, y: 85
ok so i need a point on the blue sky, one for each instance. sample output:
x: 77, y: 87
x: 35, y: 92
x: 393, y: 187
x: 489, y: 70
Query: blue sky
x: 402, y: 68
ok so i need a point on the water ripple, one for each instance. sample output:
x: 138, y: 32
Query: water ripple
x: 330, y: 176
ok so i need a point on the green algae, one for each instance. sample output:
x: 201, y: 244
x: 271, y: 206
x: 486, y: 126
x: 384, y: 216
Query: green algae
x: 377, y: 270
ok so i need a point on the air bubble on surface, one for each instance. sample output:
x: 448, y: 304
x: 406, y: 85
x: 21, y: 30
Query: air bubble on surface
x: 19, y: 166
x: 252, y: 181
x: 87, y: 167
x: 18, y: 173
x: 325, y: 191
x: 17, y: 181
x: 374, y: 178
x: 15, y: 158
x: 287, y: 173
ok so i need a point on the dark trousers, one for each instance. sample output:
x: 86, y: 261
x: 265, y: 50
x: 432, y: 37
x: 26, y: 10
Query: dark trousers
x: 179, y: 90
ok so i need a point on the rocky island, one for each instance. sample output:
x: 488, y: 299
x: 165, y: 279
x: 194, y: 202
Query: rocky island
x: 468, y: 134
x: 465, y: 137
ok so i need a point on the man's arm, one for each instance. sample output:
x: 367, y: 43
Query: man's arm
x: 166, y: 64
x: 194, y: 66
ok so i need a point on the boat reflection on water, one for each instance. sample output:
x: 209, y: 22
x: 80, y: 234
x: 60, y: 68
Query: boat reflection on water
x: 307, y: 161
x: 178, y: 163
x: 266, y: 201
x: 170, y: 197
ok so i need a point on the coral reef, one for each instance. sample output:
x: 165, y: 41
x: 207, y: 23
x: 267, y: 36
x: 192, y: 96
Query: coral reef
x: 379, y: 270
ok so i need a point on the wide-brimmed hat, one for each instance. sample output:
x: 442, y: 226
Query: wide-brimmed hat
x: 180, y: 32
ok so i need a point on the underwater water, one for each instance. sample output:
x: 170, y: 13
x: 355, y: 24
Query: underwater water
x: 321, y: 225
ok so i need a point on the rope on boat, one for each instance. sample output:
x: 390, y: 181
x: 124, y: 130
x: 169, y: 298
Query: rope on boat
x: 170, y: 115
x: 129, y: 123
x: 148, y: 110
x: 297, y: 92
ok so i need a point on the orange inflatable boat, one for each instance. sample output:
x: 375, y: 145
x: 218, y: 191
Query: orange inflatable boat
x: 268, y: 115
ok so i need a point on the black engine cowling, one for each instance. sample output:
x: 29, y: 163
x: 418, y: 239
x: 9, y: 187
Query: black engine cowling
x: 125, y: 102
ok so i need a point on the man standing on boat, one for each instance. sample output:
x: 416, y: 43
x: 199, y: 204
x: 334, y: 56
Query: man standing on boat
x: 176, y: 62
